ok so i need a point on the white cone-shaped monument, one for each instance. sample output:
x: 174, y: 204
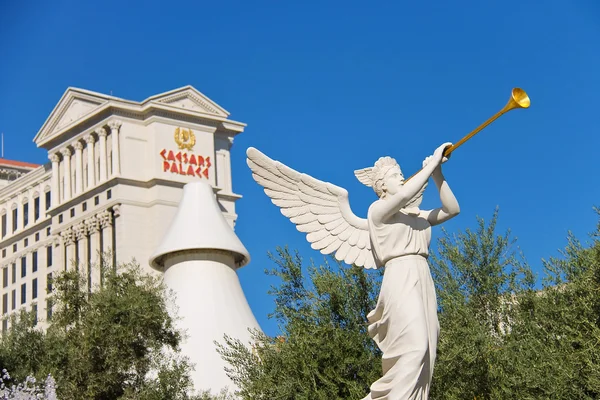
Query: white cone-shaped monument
x: 199, y: 256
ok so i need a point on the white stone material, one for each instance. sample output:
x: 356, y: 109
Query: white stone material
x: 199, y: 256
x: 101, y: 132
x: 78, y: 146
x: 91, y: 161
x: 66, y: 152
x: 397, y: 235
x: 114, y: 133
x: 55, y: 195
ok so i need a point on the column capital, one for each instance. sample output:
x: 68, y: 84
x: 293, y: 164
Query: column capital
x: 66, y: 152
x: 80, y: 231
x: 90, y: 139
x: 104, y: 218
x: 92, y: 224
x: 54, y: 157
x: 116, y: 209
x: 101, y: 132
x: 78, y: 145
x: 67, y: 236
x: 115, y: 125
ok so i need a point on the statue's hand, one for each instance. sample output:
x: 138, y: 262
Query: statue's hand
x: 438, y: 154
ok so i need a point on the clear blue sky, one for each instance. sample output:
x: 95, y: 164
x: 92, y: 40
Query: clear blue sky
x: 328, y: 87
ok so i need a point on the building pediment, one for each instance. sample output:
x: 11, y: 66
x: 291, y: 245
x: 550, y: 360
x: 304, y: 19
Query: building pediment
x: 190, y: 99
x: 78, y: 105
x: 74, y: 106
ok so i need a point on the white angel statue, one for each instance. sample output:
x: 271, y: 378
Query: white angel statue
x: 397, y: 235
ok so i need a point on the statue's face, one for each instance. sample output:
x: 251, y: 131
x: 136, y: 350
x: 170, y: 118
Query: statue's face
x: 393, y: 181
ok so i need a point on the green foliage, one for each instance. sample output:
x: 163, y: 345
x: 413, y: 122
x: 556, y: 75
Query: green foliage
x: 502, y: 338
x: 324, y: 351
x: 503, y: 335
x: 117, y: 342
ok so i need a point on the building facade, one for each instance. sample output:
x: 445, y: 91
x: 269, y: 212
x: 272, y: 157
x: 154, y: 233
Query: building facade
x: 112, y: 185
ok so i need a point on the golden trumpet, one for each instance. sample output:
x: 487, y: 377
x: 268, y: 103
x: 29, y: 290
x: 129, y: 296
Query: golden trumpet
x: 518, y: 99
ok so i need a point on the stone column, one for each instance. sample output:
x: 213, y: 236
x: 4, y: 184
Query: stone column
x: 101, y: 132
x: 20, y: 213
x: 91, y: 172
x: 31, y: 202
x: 114, y: 133
x: 78, y: 166
x: 68, y: 238
x: 58, y: 252
x: 42, y: 201
x: 105, y: 221
x: 83, y: 265
x: 66, y: 152
x: 93, y: 227
x: 55, y: 179
x: 224, y: 168
x: 9, y: 219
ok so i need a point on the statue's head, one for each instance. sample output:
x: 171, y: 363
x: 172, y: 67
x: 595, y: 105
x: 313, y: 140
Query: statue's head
x: 384, y: 177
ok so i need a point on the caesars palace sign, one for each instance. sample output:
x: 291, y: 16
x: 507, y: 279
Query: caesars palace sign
x: 184, y: 162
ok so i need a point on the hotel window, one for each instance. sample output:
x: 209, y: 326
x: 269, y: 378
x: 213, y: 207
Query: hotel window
x: 72, y: 212
x: 4, y: 225
x: 60, y: 219
x: 34, y: 261
x: 15, y: 219
x: 14, y: 272
x: 25, y: 242
x: 3, y: 253
x: 84, y: 207
x: 34, y: 289
x: 48, y: 231
x: 23, y: 293
x: 49, y: 256
x: 25, y: 214
x: 4, y: 277
x: 23, y: 266
x: 49, y: 283
x: 108, y: 194
x: 35, y: 316
x: 96, y: 200
x: 36, y: 208
x: 48, y: 200
x: 37, y: 236
x: 14, y: 248
x: 4, y: 303
x: 13, y: 299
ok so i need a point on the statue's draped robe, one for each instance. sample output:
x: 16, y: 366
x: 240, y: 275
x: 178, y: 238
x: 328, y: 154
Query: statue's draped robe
x: 404, y: 323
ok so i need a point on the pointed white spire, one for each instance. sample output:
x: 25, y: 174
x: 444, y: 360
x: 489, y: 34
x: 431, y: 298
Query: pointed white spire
x: 199, y: 225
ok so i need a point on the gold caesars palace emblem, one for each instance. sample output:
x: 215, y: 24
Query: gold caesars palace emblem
x: 185, y: 139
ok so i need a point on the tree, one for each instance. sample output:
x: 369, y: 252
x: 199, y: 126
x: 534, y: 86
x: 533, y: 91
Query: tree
x: 323, y: 351
x: 117, y: 342
x: 477, y: 274
x: 504, y: 338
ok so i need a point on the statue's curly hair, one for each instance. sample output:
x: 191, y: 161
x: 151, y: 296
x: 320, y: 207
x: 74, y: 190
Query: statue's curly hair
x: 382, y: 166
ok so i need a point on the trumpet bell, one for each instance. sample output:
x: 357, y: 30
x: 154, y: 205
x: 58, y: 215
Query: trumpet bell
x: 519, y: 99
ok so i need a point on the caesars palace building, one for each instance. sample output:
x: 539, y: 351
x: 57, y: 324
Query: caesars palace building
x: 112, y: 185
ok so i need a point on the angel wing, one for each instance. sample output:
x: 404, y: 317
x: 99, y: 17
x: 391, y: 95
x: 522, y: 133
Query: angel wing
x: 415, y: 202
x: 319, y: 209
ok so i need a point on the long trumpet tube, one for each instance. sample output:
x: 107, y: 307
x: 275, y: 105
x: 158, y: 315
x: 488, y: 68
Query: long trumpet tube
x: 518, y: 99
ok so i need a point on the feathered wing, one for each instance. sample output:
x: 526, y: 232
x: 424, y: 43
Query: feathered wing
x: 317, y: 208
x: 415, y: 202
